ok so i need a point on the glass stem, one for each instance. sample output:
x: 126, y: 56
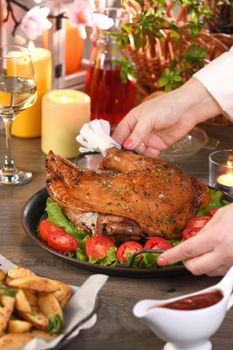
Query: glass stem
x: 9, y: 165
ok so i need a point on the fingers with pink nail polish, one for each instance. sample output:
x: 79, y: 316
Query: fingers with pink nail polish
x: 162, y: 261
x: 129, y: 143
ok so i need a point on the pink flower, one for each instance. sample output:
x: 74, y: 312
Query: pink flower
x: 35, y: 21
x: 80, y: 13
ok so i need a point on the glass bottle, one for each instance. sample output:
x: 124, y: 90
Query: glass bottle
x: 111, y: 98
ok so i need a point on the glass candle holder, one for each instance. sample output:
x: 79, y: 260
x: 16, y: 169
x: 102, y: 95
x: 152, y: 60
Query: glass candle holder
x: 221, y: 170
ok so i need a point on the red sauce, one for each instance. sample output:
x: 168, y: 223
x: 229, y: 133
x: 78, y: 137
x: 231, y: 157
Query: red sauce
x: 195, y: 302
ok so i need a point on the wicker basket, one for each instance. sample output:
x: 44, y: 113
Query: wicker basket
x: 149, y: 69
x: 157, y: 53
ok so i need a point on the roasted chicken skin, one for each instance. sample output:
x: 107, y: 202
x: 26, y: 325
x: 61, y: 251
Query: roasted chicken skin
x: 155, y: 195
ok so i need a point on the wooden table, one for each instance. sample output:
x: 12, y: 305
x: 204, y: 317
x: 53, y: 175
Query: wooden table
x: 116, y: 327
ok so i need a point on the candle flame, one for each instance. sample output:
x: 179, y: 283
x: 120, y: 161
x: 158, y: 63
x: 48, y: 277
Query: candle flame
x: 229, y: 172
x: 63, y: 98
x: 31, y: 46
x: 227, y: 178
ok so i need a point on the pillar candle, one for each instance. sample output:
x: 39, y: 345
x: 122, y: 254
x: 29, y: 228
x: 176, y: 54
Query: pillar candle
x: 74, y: 47
x: 71, y: 44
x: 28, y: 122
x: 63, y: 114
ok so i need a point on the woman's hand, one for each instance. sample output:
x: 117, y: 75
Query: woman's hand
x: 153, y: 126
x: 158, y: 123
x: 210, y: 251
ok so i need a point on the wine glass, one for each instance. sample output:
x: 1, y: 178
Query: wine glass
x: 17, y: 92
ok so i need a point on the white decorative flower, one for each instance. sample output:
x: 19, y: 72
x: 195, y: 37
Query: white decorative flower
x: 35, y: 21
x: 80, y: 13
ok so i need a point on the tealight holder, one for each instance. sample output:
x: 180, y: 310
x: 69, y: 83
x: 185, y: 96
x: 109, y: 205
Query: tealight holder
x: 221, y: 170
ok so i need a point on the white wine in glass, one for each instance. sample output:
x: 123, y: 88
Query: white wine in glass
x: 17, y: 93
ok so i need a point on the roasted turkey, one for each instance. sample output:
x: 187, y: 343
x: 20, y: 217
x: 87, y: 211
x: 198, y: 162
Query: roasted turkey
x: 139, y: 197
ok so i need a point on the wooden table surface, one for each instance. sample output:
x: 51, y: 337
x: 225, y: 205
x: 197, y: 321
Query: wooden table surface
x: 116, y: 327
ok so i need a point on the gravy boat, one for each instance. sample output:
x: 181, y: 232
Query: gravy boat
x: 187, y: 329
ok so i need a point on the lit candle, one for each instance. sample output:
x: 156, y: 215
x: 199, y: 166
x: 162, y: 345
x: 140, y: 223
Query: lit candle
x: 28, y: 122
x: 225, y: 181
x: 63, y: 114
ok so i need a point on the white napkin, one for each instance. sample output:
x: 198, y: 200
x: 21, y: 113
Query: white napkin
x: 81, y: 304
x: 95, y: 137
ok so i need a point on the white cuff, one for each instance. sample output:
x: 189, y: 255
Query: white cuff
x: 217, y: 77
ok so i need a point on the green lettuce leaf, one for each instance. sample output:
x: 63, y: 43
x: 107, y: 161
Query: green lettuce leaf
x: 56, y: 215
x: 216, y: 201
x: 109, y: 260
x: 81, y: 250
x: 174, y: 242
x: 149, y: 261
x: 81, y: 255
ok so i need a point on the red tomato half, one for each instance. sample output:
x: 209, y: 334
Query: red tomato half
x: 198, y: 222
x: 127, y: 247
x: 157, y: 243
x: 98, y: 246
x: 189, y: 232
x: 57, y: 238
x: 194, y: 225
x: 46, y: 228
x: 213, y: 211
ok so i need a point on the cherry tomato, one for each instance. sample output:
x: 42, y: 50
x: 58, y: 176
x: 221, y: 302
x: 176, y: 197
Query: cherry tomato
x: 57, y: 238
x: 190, y: 232
x: 213, y: 211
x: 46, y: 228
x: 127, y: 247
x: 98, y: 246
x: 198, y: 222
x: 157, y: 243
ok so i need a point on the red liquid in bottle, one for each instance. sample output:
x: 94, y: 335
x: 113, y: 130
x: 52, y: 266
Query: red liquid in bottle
x: 111, y: 99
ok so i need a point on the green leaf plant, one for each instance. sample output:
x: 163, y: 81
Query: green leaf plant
x: 154, y: 24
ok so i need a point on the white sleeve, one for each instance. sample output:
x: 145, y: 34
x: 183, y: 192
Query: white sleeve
x: 217, y: 77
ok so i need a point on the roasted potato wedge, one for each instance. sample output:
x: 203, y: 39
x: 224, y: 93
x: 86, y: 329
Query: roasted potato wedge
x: 22, y: 303
x: 29, y: 303
x: 38, y: 320
x: 63, y: 293
x: 5, y: 314
x: 32, y: 299
x: 18, y: 326
x: 8, y: 302
x: 19, y: 272
x: 34, y: 283
x: 49, y: 305
x: 15, y: 341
